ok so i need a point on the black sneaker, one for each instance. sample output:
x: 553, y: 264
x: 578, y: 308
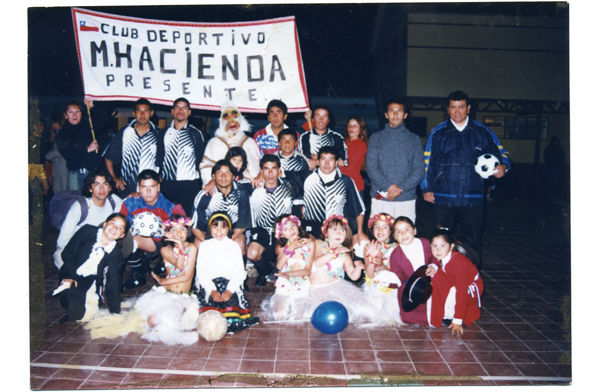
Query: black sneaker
x: 134, y: 281
x: 446, y: 322
x: 159, y: 268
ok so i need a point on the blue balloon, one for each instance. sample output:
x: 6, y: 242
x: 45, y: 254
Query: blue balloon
x: 330, y: 317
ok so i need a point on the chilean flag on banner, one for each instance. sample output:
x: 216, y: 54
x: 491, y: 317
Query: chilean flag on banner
x: 83, y: 27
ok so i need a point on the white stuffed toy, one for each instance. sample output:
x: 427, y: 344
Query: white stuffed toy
x: 171, y: 318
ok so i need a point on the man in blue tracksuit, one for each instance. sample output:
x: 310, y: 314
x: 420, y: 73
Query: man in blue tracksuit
x: 450, y: 182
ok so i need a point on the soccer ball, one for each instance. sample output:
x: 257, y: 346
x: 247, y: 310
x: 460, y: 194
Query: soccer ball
x: 212, y: 325
x: 146, y: 224
x: 485, y: 165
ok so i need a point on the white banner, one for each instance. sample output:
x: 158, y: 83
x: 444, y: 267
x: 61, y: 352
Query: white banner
x: 250, y: 63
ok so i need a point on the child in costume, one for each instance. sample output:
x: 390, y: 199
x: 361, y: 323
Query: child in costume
x: 179, y: 258
x: 220, y: 276
x: 410, y: 254
x: 171, y: 313
x: 333, y: 260
x: 295, y: 253
x: 457, y: 286
x: 381, y: 286
x: 377, y: 253
x: 91, y: 273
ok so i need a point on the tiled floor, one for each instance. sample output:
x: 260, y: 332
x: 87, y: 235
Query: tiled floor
x: 522, y: 338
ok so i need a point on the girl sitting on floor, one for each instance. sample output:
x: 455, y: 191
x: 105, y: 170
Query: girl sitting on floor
x: 332, y: 260
x: 381, y: 286
x: 91, y: 273
x: 180, y: 257
x: 457, y: 286
x: 378, y: 251
x: 171, y: 313
x: 295, y: 252
x: 220, y: 276
x: 410, y: 254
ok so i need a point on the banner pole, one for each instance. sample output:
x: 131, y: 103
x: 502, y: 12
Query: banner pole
x: 90, y: 119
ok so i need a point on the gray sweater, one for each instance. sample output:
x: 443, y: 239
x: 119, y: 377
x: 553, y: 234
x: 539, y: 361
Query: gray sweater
x: 395, y: 156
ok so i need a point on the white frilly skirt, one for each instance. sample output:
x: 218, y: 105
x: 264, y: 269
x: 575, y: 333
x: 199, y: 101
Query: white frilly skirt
x: 300, y: 305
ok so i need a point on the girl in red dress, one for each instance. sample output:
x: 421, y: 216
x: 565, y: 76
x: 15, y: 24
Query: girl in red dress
x: 410, y: 254
x: 457, y: 286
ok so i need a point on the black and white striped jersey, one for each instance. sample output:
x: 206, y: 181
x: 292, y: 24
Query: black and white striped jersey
x: 134, y: 153
x: 236, y: 205
x: 323, y: 199
x: 295, y: 162
x: 311, y: 142
x: 184, y: 149
x: 268, y: 206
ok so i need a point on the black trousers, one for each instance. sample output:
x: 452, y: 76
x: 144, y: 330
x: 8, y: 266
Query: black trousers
x: 468, y: 220
x: 73, y: 299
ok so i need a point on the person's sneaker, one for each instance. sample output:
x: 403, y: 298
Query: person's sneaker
x: 446, y: 322
x: 159, y: 268
x: 134, y: 281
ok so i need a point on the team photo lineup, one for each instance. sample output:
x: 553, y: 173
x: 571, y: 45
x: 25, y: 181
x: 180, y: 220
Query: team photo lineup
x: 206, y: 218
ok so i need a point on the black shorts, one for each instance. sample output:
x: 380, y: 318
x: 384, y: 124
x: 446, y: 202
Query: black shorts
x: 266, y: 239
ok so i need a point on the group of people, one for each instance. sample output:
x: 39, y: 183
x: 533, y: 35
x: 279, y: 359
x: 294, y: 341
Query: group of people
x: 290, y: 204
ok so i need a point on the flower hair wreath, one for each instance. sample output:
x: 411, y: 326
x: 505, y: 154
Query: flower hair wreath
x: 181, y: 221
x: 284, y: 221
x: 381, y: 216
x: 332, y: 217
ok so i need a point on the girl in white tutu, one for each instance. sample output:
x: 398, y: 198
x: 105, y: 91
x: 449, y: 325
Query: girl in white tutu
x: 171, y: 313
x: 295, y: 252
x: 333, y: 260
